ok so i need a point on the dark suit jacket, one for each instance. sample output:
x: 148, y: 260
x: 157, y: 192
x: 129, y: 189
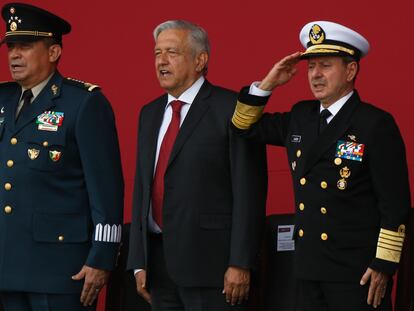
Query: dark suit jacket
x: 214, y: 200
x: 338, y: 223
x: 65, y: 183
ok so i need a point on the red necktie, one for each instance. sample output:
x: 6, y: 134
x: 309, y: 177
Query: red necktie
x: 163, y: 157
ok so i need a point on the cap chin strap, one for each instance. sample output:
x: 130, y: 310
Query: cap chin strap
x: 29, y: 33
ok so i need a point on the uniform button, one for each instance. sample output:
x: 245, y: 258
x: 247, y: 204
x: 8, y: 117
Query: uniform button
x: 301, y: 233
x: 7, y: 209
x: 324, y: 185
x: 303, y: 181
x: 298, y: 153
x: 45, y: 143
x: 7, y: 186
x: 324, y: 236
x: 323, y: 210
x: 13, y: 141
x: 10, y: 163
x: 61, y: 238
x: 338, y: 161
x: 301, y: 206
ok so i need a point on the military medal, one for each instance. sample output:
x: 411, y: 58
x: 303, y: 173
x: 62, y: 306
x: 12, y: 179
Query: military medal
x: 55, y: 155
x: 50, y: 120
x: 33, y: 153
x: 349, y: 150
x: 344, y: 172
x: 341, y: 184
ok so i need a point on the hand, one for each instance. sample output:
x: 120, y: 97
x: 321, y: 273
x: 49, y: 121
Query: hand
x: 95, y: 279
x: 236, y: 285
x: 377, y: 286
x: 281, y: 72
x: 141, y: 281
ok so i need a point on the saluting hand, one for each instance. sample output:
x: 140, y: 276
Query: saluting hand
x: 281, y: 72
x: 377, y: 286
x: 95, y: 279
x: 236, y: 285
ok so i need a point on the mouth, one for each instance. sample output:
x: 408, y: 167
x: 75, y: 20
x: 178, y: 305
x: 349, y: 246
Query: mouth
x: 318, y: 85
x: 164, y: 73
x: 16, y: 67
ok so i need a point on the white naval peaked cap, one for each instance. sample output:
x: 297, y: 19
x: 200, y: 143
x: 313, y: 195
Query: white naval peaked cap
x: 322, y: 38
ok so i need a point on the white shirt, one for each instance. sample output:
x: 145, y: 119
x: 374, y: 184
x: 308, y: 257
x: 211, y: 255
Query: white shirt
x: 35, y: 90
x: 333, y: 109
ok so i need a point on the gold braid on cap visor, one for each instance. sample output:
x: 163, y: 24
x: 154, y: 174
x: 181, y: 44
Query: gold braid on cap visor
x: 29, y: 33
x: 327, y: 48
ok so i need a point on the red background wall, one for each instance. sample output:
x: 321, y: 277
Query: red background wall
x: 111, y: 45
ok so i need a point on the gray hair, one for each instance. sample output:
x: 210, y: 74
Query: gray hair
x: 198, y: 36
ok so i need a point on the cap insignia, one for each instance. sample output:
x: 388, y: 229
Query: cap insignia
x: 12, y: 10
x: 316, y: 34
x: 14, y: 21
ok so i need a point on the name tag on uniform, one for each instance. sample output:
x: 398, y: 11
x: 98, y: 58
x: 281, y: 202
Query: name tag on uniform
x: 50, y: 121
x: 296, y: 138
x: 350, y: 150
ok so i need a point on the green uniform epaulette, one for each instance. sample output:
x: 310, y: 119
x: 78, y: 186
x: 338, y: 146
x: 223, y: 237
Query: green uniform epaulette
x: 86, y: 85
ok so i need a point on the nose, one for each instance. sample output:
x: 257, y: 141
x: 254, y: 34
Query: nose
x: 316, y: 72
x: 161, y: 59
x: 13, y: 52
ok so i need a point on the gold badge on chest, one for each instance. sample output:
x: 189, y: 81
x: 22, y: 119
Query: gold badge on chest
x: 344, y: 172
x: 33, y: 153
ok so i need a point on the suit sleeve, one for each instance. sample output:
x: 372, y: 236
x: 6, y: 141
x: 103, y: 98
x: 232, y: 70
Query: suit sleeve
x: 388, y: 168
x: 136, y: 258
x: 100, y: 157
x: 249, y: 186
x: 249, y: 121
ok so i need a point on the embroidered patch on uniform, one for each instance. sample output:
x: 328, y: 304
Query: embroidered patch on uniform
x: 350, y: 150
x: 296, y: 138
x: 50, y: 121
x: 55, y: 155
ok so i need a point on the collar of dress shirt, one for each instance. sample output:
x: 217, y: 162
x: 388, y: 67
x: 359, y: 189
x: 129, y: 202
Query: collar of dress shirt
x: 336, y: 106
x: 38, y: 88
x: 189, y: 94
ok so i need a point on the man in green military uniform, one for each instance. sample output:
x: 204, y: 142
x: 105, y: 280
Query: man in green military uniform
x: 350, y: 179
x: 61, y: 193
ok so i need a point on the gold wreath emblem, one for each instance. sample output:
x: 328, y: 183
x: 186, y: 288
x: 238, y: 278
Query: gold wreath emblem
x: 316, y: 34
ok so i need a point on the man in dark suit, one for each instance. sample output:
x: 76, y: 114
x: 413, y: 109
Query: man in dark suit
x: 198, y: 203
x: 62, y: 186
x: 349, y: 171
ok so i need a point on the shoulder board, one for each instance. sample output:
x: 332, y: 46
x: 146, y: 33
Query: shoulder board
x: 82, y: 84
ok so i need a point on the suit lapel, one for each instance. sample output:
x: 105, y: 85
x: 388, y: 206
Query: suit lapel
x: 43, y: 102
x: 199, y: 106
x: 153, y: 120
x: 335, y: 129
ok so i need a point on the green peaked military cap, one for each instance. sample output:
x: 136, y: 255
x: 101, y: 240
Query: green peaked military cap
x: 27, y: 23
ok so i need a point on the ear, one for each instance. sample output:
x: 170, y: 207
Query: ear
x: 351, y: 71
x: 54, y: 52
x: 201, y: 61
